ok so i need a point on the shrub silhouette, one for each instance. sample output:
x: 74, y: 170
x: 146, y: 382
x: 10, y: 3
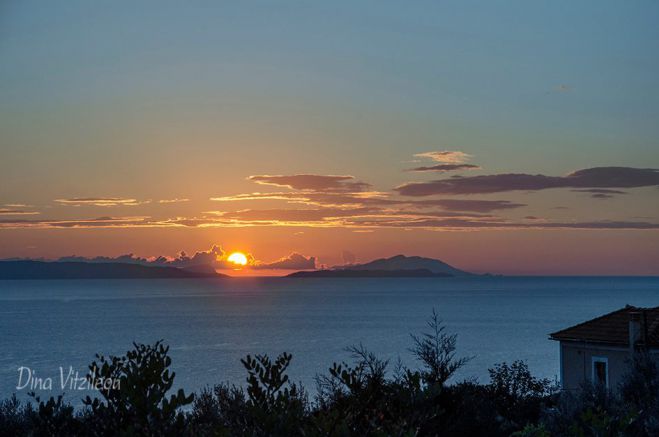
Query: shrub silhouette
x: 354, y: 398
x: 436, y: 350
x: 138, y: 405
x: 14, y: 417
x: 518, y: 396
x: 364, y: 397
x: 274, y: 405
x: 640, y: 390
x: 54, y: 417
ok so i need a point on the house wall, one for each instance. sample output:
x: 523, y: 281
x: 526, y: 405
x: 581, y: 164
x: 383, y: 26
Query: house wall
x: 577, y: 358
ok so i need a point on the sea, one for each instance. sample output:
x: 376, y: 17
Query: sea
x: 54, y: 326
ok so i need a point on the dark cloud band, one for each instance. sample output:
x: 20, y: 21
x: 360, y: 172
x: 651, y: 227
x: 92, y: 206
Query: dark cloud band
x: 446, y: 167
x: 599, y: 177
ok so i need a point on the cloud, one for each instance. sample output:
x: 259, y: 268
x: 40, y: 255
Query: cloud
x: 344, y: 203
x: 327, y: 199
x: 601, y: 193
x: 7, y: 211
x: 347, y: 201
x: 456, y: 224
x: 323, y: 217
x: 312, y: 182
x: 99, y: 222
x: 173, y: 200
x: 294, y: 261
x: 294, y: 215
x: 475, y: 205
x: 127, y: 259
x: 445, y: 156
x: 402, y: 219
x: 181, y: 260
x: 598, y: 177
x: 446, y: 167
x: 207, y: 257
x: 214, y: 257
x: 444, y: 214
x: 101, y: 201
x: 259, y: 196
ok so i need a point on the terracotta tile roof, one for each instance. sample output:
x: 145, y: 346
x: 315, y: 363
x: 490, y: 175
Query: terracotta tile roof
x: 613, y: 328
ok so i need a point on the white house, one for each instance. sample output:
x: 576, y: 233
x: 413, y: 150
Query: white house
x: 599, y: 350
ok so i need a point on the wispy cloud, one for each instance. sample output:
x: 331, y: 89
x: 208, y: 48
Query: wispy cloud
x: 259, y: 196
x: 101, y: 201
x: 312, y: 182
x: 177, y: 200
x: 445, y: 156
x: 8, y: 211
x: 334, y: 199
x: 403, y: 219
x: 82, y: 223
x: 350, y: 201
x: 294, y: 215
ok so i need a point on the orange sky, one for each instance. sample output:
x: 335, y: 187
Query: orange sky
x: 507, y: 252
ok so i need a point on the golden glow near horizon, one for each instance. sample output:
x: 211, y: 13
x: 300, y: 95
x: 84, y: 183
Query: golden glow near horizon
x: 237, y: 258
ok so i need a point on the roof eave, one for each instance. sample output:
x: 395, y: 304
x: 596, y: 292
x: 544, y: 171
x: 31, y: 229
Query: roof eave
x: 599, y: 342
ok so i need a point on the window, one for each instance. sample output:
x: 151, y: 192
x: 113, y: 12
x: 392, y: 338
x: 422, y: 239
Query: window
x: 601, y: 371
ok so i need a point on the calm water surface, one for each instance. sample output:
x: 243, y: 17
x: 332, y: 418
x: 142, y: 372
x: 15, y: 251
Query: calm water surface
x: 211, y: 323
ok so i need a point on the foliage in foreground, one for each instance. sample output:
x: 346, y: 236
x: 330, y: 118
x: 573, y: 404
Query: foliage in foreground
x: 366, y: 397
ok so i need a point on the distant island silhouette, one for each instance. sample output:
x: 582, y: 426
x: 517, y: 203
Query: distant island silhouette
x: 399, y: 266
x: 418, y: 273
x: 28, y: 269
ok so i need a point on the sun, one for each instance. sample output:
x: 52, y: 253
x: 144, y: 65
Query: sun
x: 238, y: 259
